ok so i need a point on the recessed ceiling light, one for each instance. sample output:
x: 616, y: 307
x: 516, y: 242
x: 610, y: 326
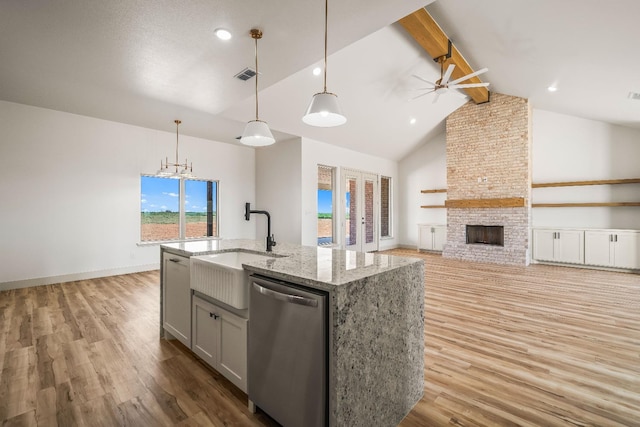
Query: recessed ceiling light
x: 412, y: 120
x: 317, y: 71
x: 634, y: 95
x: 223, y: 34
x: 552, y: 88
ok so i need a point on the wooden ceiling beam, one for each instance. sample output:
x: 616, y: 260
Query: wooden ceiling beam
x: 426, y: 31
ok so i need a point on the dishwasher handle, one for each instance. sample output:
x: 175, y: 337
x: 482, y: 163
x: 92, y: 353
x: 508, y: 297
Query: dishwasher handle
x: 294, y: 299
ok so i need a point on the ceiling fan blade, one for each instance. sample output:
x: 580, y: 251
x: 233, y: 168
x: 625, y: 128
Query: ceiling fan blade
x: 447, y: 74
x: 462, y: 86
x: 420, y: 96
x: 435, y: 98
x: 421, y: 79
x: 468, y: 76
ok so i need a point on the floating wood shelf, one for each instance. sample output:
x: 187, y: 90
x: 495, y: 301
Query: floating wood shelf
x: 433, y: 207
x: 580, y: 183
x: 583, y: 205
x: 511, y: 202
x: 437, y: 190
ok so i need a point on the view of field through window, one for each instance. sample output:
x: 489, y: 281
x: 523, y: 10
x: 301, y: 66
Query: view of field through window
x: 160, y: 208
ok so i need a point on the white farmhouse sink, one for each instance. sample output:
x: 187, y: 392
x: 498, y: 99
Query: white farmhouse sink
x: 222, y: 277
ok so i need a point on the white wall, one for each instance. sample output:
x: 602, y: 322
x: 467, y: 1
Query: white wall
x: 567, y: 148
x: 278, y: 191
x: 424, y: 168
x: 70, y: 191
x: 316, y: 153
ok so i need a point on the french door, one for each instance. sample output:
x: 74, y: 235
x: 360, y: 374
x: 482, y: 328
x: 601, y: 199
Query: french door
x: 359, y: 218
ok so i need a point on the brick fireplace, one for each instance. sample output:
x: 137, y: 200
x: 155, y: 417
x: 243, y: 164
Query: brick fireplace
x: 489, y: 178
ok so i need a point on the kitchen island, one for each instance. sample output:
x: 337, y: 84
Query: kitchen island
x: 375, y: 319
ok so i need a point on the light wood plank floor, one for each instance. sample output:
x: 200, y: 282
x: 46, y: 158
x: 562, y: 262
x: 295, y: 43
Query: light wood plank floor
x: 535, y: 346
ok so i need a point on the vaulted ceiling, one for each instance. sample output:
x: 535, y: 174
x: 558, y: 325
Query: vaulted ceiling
x: 148, y: 63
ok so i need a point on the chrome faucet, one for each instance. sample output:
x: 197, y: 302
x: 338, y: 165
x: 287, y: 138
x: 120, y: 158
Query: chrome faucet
x: 271, y: 242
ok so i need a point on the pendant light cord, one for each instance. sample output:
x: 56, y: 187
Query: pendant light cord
x: 255, y: 35
x: 326, y: 19
x: 257, y: 74
x: 177, y: 122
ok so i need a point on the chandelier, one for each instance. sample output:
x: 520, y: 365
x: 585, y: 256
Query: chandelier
x: 175, y: 170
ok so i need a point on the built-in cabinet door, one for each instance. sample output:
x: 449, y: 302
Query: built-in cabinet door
x: 176, y: 297
x: 220, y: 339
x: 569, y: 246
x: 627, y: 250
x: 425, y: 237
x: 597, y: 248
x: 543, y: 245
x: 233, y: 349
x: 439, y: 238
x: 206, y: 331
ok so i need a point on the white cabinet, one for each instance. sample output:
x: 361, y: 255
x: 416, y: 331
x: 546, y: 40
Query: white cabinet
x: 176, y: 297
x: 220, y: 339
x: 612, y: 248
x: 432, y: 237
x: 558, y: 245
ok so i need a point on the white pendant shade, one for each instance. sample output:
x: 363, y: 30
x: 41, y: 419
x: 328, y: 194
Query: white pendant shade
x: 324, y: 111
x: 257, y: 134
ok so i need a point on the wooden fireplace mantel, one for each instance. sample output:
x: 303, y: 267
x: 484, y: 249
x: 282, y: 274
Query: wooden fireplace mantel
x: 511, y: 202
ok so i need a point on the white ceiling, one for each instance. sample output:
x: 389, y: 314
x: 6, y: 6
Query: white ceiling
x: 148, y: 63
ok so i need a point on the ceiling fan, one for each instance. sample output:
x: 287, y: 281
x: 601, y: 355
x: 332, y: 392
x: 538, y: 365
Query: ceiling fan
x: 442, y: 85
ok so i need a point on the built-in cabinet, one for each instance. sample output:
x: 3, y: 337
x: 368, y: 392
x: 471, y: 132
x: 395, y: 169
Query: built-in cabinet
x: 220, y: 339
x: 601, y: 248
x: 176, y: 297
x: 612, y: 248
x: 432, y: 237
x: 558, y: 245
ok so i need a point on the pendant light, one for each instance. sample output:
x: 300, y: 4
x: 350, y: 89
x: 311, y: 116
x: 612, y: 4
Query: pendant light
x: 257, y: 133
x: 324, y: 111
x: 182, y: 170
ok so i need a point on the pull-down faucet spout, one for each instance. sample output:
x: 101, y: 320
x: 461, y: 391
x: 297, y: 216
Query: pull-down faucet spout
x: 247, y: 215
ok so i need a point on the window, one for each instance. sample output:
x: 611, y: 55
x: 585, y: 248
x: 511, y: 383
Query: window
x: 385, y: 206
x: 172, y: 209
x: 326, y: 226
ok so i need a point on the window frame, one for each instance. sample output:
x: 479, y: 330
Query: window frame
x: 182, y: 222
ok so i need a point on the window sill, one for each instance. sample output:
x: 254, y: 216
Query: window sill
x: 162, y: 242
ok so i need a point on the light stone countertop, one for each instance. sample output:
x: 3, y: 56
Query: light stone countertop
x: 316, y: 267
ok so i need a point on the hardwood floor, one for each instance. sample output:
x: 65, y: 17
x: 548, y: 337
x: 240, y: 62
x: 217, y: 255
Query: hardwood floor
x: 534, y: 346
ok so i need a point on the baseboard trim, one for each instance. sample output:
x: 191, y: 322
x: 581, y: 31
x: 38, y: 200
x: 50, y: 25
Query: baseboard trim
x: 42, y: 281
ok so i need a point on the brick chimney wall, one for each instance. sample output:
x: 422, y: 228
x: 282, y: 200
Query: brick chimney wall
x: 492, y: 141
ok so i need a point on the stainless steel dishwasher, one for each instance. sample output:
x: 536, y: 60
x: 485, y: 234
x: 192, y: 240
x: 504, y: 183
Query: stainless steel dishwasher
x: 288, y: 373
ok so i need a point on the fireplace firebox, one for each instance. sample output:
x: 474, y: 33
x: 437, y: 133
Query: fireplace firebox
x: 485, y: 235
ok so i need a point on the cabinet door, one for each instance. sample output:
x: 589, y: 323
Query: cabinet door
x: 439, y: 238
x: 543, y: 245
x: 425, y: 238
x: 598, y: 248
x: 176, y: 296
x: 206, y: 331
x: 233, y: 349
x: 570, y: 246
x: 627, y: 250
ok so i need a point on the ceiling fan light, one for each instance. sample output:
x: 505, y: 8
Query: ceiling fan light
x: 324, y: 111
x: 257, y: 134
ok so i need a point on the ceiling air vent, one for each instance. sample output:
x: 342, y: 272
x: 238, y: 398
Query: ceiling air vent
x: 634, y: 95
x: 245, y: 74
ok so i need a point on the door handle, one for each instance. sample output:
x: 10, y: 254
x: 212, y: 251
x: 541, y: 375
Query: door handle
x: 215, y: 316
x: 295, y: 299
x: 174, y: 260
x: 616, y: 237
